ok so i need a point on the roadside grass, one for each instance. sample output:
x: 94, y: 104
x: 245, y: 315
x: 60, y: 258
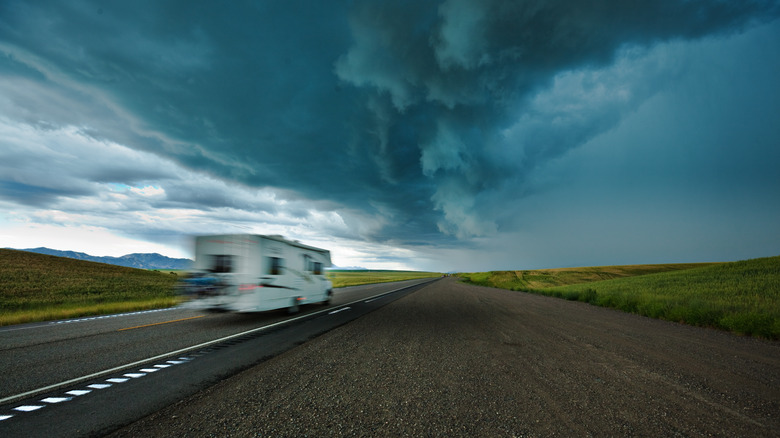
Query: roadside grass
x: 740, y: 297
x: 39, y: 287
x: 182, y: 272
x: 344, y: 278
x: 77, y: 310
x: 531, y: 280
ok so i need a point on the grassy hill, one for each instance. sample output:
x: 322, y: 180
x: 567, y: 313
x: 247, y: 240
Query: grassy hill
x: 38, y: 287
x: 742, y: 297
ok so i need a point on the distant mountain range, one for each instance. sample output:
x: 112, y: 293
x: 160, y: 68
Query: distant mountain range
x: 137, y: 260
x: 144, y: 260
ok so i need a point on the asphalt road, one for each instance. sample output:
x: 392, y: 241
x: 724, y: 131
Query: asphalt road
x: 66, y: 358
x: 458, y: 360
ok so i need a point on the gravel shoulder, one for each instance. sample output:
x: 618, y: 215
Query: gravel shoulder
x: 459, y: 360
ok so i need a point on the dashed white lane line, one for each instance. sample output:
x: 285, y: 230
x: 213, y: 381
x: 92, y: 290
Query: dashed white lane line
x: 339, y: 310
x: 80, y: 392
x: 117, y: 380
x: 93, y: 318
x: 69, y: 321
x: 54, y: 400
x: 134, y: 375
x: 28, y: 408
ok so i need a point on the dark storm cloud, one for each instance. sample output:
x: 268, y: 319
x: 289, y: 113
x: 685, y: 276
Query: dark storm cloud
x: 426, y: 113
x: 459, y: 73
x: 32, y: 195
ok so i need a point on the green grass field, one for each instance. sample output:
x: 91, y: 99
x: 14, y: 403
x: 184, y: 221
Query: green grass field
x: 356, y: 278
x: 741, y: 297
x: 544, y: 278
x: 39, y: 287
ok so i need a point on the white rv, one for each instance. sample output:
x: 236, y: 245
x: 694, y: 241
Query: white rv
x: 254, y: 273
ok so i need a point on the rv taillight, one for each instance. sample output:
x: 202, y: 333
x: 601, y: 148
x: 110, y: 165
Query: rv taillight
x: 246, y: 288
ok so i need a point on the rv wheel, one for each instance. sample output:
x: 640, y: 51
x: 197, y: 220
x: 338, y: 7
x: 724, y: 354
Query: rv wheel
x: 294, y: 308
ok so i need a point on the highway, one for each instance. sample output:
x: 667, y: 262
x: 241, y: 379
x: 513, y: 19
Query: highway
x: 88, y: 376
x: 453, y: 359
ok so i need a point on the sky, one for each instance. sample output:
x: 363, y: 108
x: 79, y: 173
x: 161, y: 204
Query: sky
x: 455, y: 135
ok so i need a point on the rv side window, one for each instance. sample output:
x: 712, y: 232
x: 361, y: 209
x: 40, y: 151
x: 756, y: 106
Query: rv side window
x: 275, y: 266
x: 310, y: 265
x: 221, y: 263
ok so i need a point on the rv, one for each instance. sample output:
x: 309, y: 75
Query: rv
x: 254, y: 273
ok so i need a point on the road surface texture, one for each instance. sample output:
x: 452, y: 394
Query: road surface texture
x: 459, y: 360
x: 36, y: 355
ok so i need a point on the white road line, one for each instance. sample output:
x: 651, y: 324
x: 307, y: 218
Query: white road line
x: 53, y: 400
x: 27, y: 408
x: 135, y: 375
x: 79, y: 392
x: 180, y: 351
x: 340, y: 310
x: 92, y: 318
x: 44, y: 324
x: 117, y: 380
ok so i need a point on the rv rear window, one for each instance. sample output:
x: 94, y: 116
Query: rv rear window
x: 222, y: 263
x: 275, y: 266
x: 317, y: 268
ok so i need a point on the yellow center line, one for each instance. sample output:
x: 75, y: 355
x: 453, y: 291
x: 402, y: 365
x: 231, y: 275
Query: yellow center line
x: 158, y: 323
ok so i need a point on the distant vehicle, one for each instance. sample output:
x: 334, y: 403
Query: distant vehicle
x: 255, y: 273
